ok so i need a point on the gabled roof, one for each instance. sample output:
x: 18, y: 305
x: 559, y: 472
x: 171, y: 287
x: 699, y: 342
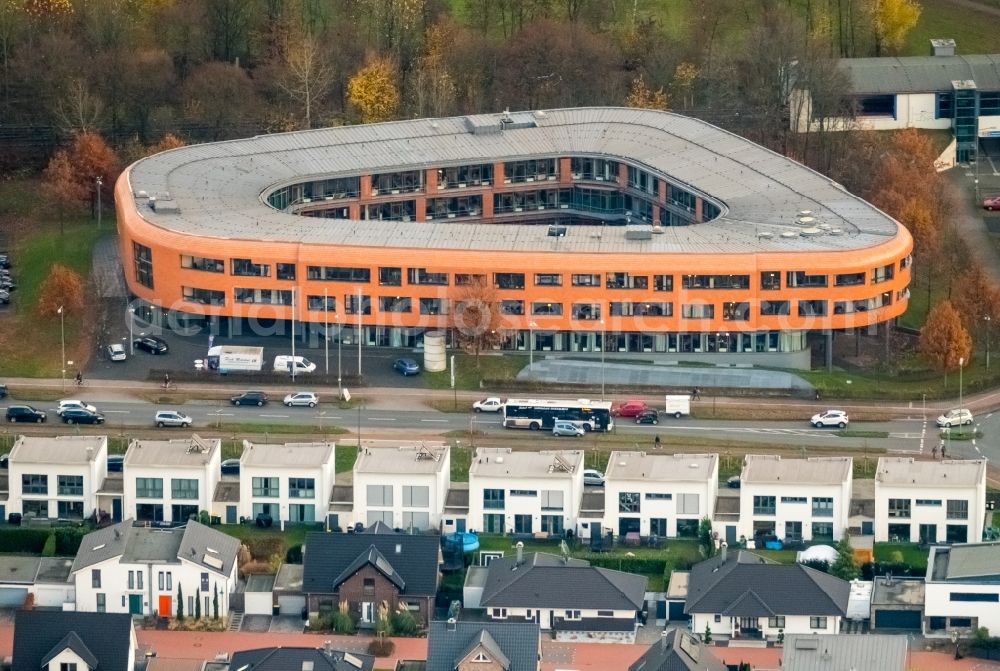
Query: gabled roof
x: 485, y: 642
x: 677, y: 651
x: 517, y: 642
x: 105, y: 637
x: 920, y: 74
x: 376, y: 559
x: 413, y: 557
x: 835, y: 652
x: 547, y: 581
x: 379, y: 527
x: 746, y: 585
x: 299, y: 659
x: 209, y: 548
x: 72, y: 642
x: 103, y: 544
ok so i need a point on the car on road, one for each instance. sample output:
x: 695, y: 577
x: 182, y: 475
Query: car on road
x: 630, y: 409
x: 593, y: 477
x: 406, y: 366
x: 491, y: 404
x: 3, y: 391
x: 230, y: 467
x: 649, y: 416
x: 81, y: 416
x: 564, y: 428
x: 171, y: 418
x: 116, y: 352
x: 287, y: 364
x: 955, y: 417
x: 74, y: 404
x: 116, y: 463
x: 151, y: 344
x: 257, y: 398
x: 837, y: 418
x: 991, y: 202
x: 24, y: 413
x: 306, y: 398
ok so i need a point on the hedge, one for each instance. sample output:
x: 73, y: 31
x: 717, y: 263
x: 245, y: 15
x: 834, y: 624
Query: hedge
x: 627, y: 564
x: 18, y: 539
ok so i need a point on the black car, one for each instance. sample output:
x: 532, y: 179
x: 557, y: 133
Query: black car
x: 3, y: 391
x: 81, y: 416
x: 257, y: 398
x: 116, y: 463
x: 648, y: 417
x: 24, y: 413
x: 151, y: 344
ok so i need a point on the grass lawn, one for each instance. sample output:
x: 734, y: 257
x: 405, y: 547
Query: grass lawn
x: 292, y: 535
x: 975, y: 32
x: 344, y: 458
x: 912, y: 554
x: 780, y: 556
x: 468, y: 375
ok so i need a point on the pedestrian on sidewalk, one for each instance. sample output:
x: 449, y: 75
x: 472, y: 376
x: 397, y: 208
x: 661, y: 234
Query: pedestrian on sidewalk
x: 934, y: 451
x: 656, y: 441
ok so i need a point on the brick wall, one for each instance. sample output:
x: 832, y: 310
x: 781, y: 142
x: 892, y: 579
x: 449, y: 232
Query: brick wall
x: 353, y: 590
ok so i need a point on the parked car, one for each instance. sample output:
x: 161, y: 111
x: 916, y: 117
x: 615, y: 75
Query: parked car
x: 116, y: 463
x: 836, y: 418
x: 116, y: 352
x: 74, y: 404
x: 733, y: 482
x: 491, y: 404
x: 284, y: 363
x: 171, y: 418
x: 151, y: 344
x: 230, y: 467
x: 4, y: 461
x: 631, y: 408
x: 81, y: 416
x: 593, y: 477
x: 4, y: 297
x: 307, y: 398
x: 406, y: 366
x: 955, y: 417
x: 257, y: 398
x: 3, y: 391
x: 564, y: 428
x: 24, y: 413
x: 649, y: 416
x: 991, y: 202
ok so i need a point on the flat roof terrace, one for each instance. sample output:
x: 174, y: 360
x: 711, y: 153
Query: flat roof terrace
x: 218, y: 189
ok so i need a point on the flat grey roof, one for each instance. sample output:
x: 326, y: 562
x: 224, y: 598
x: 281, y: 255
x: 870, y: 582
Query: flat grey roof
x: 834, y: 652
x: 19, y: 568
x: 289, y: 454
x: 426, y: 458
x: 57, y: 449
x: 192, y: 451
x: 897, y: 592
x: 944, y: 473
x: 661, y: 467
x: 920, y: 74
x: 814, y: 470
x: 503, y: 461
x: 218, y: 188
x: 967, y: 562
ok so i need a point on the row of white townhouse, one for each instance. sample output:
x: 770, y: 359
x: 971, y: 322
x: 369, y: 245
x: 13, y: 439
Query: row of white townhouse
x: 508, y: 491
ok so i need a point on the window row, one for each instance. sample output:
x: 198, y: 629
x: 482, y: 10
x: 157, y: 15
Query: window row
x: 152, y: 488
x: 298, y: 488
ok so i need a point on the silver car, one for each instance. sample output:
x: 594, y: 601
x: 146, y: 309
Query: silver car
x: 564, y: 428
x: 306, y: 398
x: 171, y: 418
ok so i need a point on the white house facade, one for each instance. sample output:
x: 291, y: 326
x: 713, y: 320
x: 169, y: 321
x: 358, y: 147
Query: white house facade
x: 170, y: 480
x: 288, y: 483
x: 56, y: 477
x: 930, y: 501
x: 403, y: 487
x: 794, y: 499
x: 525, y: 492
x: 962, y: 589
x: 663, y: 495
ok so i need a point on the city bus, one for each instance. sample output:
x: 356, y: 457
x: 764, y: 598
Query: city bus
x: 536, y: 414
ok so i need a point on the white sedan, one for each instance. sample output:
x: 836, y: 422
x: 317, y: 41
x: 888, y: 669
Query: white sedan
x: 66, y: 404
x: 491, y: 404
x: 836, y: 418
x: 116, y: 352
x: 306, y: 398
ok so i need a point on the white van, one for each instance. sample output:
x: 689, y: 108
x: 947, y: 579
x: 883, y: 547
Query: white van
x: 678, y: 405
x: 283, y: 364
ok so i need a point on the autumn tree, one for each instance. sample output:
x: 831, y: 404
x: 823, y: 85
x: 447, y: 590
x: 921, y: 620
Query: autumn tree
x: 476, y: 317
x: 373, y: 91
x: 641, y: 96
x: 307, y: 75
x: 434, y: 87
x: 63, y: 288
x: 891, y: 21
x: 944, y: 341
x: 977, y: 300
x: 220, y: 97
x: 71, y: 176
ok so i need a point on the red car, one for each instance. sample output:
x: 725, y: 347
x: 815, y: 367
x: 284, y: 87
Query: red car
x: 992, y: 202
x: 631, y: 408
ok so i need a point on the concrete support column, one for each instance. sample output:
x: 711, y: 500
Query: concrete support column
x: 829, y: 350
x: 656, y: 215
x: 498, y: 178
x: 420, y: 208
x: 366, y: 188
x: 565, y: 170
x: 431, y: 181
x: 622, y: 175
x: 661, y: 195
x: 698, y: 210
x: 354, y: 211
x: 487, y: 204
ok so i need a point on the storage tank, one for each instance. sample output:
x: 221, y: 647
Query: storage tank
x: 435, y: 356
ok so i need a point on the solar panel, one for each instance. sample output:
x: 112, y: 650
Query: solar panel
x: 807, y: 644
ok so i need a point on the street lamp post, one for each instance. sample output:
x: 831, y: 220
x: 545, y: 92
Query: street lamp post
x: 604, y: 338
x: 987, y: 319
x: 340, y: 350
x: 100, y: 183
x: 531, y: 343
x: 326, y: 334
x: 961, y: 364
x: 62, y: 336
x: 360, y: 310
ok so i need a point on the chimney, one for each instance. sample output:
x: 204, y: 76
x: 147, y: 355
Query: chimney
x: 90, y: 454
x: 663, y: 639
x: 725, y: 551
x: 328, y: 646
x: 520, y: 553
x: 451, y: 624
x: 943, y: 47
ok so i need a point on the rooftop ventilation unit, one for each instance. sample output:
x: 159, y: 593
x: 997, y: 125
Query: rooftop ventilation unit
x: 557, y: 231
x: 790, y: 234
x: 638, y: 232
x: 811, y: 232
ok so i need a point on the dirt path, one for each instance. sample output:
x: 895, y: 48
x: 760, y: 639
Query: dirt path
x: 976, y: 6
x: 968, y: 219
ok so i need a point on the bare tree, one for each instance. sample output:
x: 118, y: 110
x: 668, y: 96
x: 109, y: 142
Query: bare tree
x: 476, y: 317
x: 80, y: 110
x: 308, y: 75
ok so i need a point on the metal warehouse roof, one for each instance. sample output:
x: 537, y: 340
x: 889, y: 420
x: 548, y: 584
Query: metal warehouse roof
x: 921, y: 74
x: 217, y: 188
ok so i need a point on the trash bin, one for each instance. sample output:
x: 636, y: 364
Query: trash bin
x: 275, y: 609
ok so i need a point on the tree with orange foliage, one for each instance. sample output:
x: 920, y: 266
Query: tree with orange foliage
x: 944, y: 341
x: 977, y: 300
x: 72, y: 173
x: 63, y: 288
x: 373, y: 91
x: 477, y: 319
x: 167, y: 142
x: 643, y: 97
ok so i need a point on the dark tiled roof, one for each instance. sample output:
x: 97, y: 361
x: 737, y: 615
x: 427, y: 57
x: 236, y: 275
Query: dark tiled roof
x: 677, y: 651
x: 379, y: 527
x: 79, y: 648
x: 328, y: 555
x: 107, y: 636
x: 381, y: 564
x: 227, y: 491
x: 518, y: 641
x: 292, y: 659
x: 209, y: 548
x: 103, y: 544
x: 492, y: 649
x: 746, y: 585
x: 547, y: 581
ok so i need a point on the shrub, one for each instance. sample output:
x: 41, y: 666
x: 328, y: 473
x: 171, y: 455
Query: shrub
x: 68, y: 541
x: 381, y: 647
x: 403, y: 623
x: 294, y: 554
x: 265, y: 547
x: 49, y: 549
x: 342, y: 623
x: 17, y: 539
x: 818, y: 564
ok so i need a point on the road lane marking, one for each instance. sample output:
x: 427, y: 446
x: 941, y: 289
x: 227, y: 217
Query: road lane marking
x: 381, y: 419
x: 279, y: 416
x: 434, y: 420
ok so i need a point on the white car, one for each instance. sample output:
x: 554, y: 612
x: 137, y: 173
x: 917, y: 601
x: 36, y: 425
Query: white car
x: 307, y: 398
x: 171, y: 418
x: 836, y: 418
x: 116, y: 352
x: 74, y: 403
x: 284, y: 363
x: 491, y: 404
x: 955, y: 417
x: 594, y: 477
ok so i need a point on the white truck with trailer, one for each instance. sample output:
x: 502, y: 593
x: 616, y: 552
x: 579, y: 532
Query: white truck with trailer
x: 235, y: 359
x: 678, y: 405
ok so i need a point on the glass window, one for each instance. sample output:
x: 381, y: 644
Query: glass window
x: 552, y: 499
x: 265, y: 487
x: 102, y: 603
x: 416, y: 496
x: 353, y: 304
x: 508, y: 280
x: 301, y: 488
x: 697, y: 311
x: 548, y: 280
x: 493, y: 498
x: 736, y: 311
x: 339, y: 274
x: 509, y: 307
x: 772, y: 308
x: 763, y: 505
x: 817, y: 623
x: 203, y: 296
x: 770, y: 281
x: 776, y: 622
x: 989, y: 597
x: 546, y: 309
x: 588, y: 280
x: 803, y: 279
x: 658, y: 526
x: 629, y: 502
x: 849, y: 279
x: 822, y: 530
x: 687, y: 528
x: 522, y: 524
x: 70, y: 510
x: 149, y: 488
x: 322, y: 303
x: 395, y: 304
x: 822, y: 506
x: 35, y: 508
x: 899, y: 508
x: 184, y: 488
x: 95, y: 578
x: 663, y: 282
x: 203, y: 264
x: 687, y: 504
x: 420, y: 276
x: 301, y: 512
x: 413, y: 519
x: 32, y: 483
x: 390, y: 277
x: 379, y: 495
x: 247, y: 268
x: 958, y: 510
x: 143, y: 258
x: 467, y: 279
